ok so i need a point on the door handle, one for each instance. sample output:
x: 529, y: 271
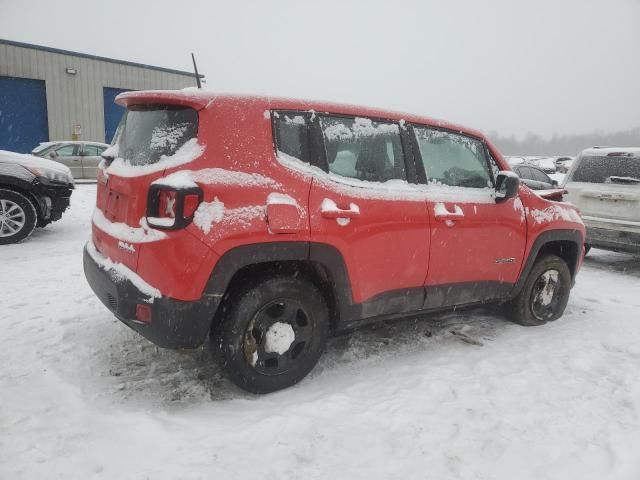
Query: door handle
x: 442, y: 214
x: 329, y: 209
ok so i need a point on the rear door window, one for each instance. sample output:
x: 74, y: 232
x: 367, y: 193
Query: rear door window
x: 605, y: 169
x: 148, y: 132
x: 453, y: 159
x: 68, y: 151
x: 91, y: 150
x: 363, y: 149
x: 292, y: 134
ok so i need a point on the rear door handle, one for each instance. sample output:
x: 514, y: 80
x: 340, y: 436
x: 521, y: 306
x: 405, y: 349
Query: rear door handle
x: 329, y: 209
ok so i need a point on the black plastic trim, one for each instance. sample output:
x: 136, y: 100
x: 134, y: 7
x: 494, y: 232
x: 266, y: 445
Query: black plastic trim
x: 174, y: 323
x: 574, y: 236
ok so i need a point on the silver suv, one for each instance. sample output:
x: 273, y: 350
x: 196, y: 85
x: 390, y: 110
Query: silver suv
x: 604, y: 183
x: 82, y: 158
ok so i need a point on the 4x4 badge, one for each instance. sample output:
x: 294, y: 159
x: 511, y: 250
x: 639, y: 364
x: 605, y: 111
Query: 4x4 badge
x: 505, y: 260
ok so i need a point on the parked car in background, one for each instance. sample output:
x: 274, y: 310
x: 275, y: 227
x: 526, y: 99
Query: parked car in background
x: 82, y: 158
x: 604, y: 183
x: 33, y: 193
x: 534, y: 177
x: 563, y: 164
x: 322, y: 222
x: 547, y: 164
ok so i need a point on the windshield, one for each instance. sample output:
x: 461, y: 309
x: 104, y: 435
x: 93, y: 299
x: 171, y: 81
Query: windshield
x: 607, y: 169
x: 146, y: 133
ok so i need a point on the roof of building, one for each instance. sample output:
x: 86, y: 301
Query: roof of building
x: 95, y: 57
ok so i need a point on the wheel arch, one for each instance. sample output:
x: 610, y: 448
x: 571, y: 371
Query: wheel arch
x: 564, y: 243
x: 322, y: 264
x: 23, y: 187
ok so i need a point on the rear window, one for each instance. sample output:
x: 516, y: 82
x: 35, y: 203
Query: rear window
x: 147, y: 133
x: 607, y: 169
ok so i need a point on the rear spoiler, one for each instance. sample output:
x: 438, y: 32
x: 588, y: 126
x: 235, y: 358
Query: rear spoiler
x: 194, y: 98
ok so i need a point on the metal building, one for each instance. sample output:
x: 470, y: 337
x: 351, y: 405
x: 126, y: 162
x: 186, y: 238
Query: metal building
x: 51, y: 94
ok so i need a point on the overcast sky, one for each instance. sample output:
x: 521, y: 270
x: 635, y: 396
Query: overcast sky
x: 563, y: 66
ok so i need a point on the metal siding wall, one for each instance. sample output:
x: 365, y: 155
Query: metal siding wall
x: 78, y: 99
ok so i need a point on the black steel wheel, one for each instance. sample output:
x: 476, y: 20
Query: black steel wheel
x: 545, y: 294
x: 270, y: 335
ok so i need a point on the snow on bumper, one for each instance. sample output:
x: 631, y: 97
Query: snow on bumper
x: 174, y: 323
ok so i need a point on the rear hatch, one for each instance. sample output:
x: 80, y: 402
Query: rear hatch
x: 150, y: 139
x: 606, y: 187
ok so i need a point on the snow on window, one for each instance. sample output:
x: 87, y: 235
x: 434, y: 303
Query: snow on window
x: 399, y: 190
x: 167, y: 137
x: 362, y: 127
x: 124, y: 232
x: 297, y: 120
x: 207, y: 214
x: 185, y: 154
x: 120, y: 273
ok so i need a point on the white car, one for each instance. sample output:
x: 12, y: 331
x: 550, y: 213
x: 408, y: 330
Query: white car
x: 547, y: 164
x: 604, y: 183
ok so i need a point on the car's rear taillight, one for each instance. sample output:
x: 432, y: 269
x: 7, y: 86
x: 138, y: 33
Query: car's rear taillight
x: 170, y: 208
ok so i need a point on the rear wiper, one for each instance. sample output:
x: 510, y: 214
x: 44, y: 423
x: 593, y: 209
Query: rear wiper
x: 614, y: 179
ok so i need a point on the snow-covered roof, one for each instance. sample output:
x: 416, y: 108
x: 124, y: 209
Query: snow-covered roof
x: 202, y: 98
x: 604, y: 151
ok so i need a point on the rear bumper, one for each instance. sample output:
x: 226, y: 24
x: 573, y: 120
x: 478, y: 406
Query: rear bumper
x: 174, y: 323
x: 613, y: 239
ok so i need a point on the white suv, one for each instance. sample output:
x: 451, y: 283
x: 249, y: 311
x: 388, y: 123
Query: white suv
x: 604, y: 183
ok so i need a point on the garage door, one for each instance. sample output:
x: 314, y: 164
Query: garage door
x: 23, y: 114
x: 112, y: 111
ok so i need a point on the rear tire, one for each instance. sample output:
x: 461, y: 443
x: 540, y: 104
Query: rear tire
x: 544, y: 295
x: 18, y: 217
x: 270, y: 335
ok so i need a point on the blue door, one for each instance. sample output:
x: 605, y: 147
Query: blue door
x: 112, y: 111
x: 23, y: 114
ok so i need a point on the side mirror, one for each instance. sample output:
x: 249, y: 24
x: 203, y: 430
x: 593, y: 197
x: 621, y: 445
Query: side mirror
x: 507, y: 185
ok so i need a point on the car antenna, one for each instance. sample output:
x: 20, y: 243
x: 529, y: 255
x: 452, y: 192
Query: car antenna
x: 195, y: 67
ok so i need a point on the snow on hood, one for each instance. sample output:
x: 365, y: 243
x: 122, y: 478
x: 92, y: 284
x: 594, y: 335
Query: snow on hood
x: 33, y: 161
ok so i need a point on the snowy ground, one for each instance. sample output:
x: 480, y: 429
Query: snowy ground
x: 464, y: 395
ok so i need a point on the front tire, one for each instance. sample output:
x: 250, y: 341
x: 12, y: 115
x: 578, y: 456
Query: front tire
x: 18, y: 217
x: 545, y: 294
x: 272, y: 333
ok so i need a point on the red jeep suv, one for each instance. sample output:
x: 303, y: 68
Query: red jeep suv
x: 267, y: 224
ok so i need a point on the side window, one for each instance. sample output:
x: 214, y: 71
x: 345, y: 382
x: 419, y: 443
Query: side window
x: 364, y: 149
x: 526, y: 172
x: 91, y: 150
x: 540, y: 176
x: 453, y: 159
x: 292, y: 134
x: 67, y: 151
